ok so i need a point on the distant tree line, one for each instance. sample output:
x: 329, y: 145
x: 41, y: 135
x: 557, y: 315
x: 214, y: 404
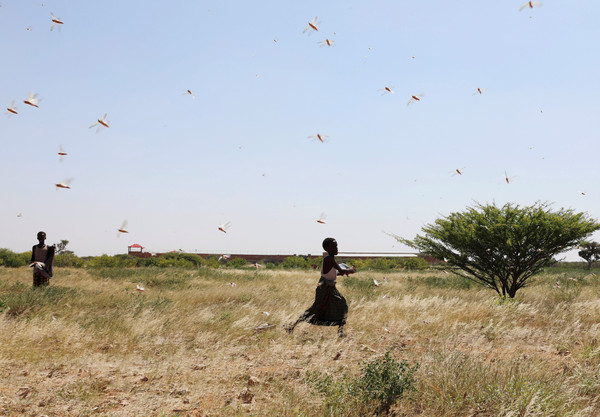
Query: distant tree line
x: 66, y: 258
x: 590, y: 251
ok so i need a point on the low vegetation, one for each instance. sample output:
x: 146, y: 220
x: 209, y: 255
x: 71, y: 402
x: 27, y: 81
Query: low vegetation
x: 380, y: 385
x: 190, y: 260
x: 199, y: 342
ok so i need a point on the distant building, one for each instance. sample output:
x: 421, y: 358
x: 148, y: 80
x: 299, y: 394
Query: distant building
x: 375, y: 255
x: 138, y: 250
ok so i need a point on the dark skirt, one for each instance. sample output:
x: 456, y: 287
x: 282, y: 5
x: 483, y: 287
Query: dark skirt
x: 329, y: 309
x: 40, y: 280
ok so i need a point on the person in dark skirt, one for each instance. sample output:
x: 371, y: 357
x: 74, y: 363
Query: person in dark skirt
x: 330, y: 307
x: 42, y: 261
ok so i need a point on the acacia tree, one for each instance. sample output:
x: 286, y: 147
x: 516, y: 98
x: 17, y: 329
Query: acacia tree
x: 590, y: 251
x: 61, y: 247
x: 501, y: 247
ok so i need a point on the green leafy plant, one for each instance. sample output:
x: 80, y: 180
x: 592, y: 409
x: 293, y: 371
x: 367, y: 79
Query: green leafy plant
x: 13, y: 260
x: 380, y: 385
x: 415, y: 264
x: 237, y: 263
x: 383, y: 381
x: 295, y: 262
x: 68, y: 259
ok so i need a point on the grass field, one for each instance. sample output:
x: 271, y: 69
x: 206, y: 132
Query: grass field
x: 90, y: 344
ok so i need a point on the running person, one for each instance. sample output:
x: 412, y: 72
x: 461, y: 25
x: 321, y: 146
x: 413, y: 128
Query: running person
x: 330, y: 307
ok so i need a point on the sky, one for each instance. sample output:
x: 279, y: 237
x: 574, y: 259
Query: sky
x: 176, y: 167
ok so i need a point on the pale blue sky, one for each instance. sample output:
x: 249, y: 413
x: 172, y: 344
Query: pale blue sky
x: 177, y: 167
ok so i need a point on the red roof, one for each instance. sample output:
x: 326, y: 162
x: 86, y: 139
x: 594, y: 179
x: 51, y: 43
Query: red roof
x: 135, y: 245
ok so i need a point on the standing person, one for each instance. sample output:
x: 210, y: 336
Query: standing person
x: 42, y: 260
x: 330, y: 307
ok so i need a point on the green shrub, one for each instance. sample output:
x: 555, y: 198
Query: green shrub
x: 382, y: 264
x: 25, y: 257
x: 211, y: 263
x: 237, y: 263
x: 378, y: 264
x: 381, y: 384
x: 68, y: 259
x: 103, y: 261
x: 152, y: 261
x: 13, y: 260
x: 165, y: 262
x: 383, y: 381
x: 125, y: 260
x: 179, y: 260
x: 295, y: 262
x: 359, y: 264
x: 415, y: 264
x: 192, y: 258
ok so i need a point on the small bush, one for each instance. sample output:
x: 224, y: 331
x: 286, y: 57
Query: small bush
x: 415, y: 264
x: 191, y: 258
x: 381, y: 384
x: 174, y: 262
x: 103, y: 261
x: 377, y: 264
x: 359, y: 264
x: 211, y: 262
x: 386, y: 264
x: 152, y: 261
x: 237, y: 263
x: 383, y: 381
x: 68, y: 259
x: 14, y: 260
x: 295, y: 262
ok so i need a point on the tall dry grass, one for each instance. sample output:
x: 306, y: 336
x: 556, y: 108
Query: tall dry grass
x: 90, y: 344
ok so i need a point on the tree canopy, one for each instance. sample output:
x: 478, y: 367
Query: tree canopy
x: 590, y: 251
x: 501, y: 247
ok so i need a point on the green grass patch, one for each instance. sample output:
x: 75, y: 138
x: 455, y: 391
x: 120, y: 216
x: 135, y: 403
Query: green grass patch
x: 451, y: 281
x: 24, y: 301
x: 122, y: 274
x: 356, y: 283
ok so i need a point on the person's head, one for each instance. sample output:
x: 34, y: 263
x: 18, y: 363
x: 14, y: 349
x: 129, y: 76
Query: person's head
x: 41, y: 236
x: 330, y: 245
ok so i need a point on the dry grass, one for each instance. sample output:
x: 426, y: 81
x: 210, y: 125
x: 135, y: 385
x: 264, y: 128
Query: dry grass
x: 91, y: 345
